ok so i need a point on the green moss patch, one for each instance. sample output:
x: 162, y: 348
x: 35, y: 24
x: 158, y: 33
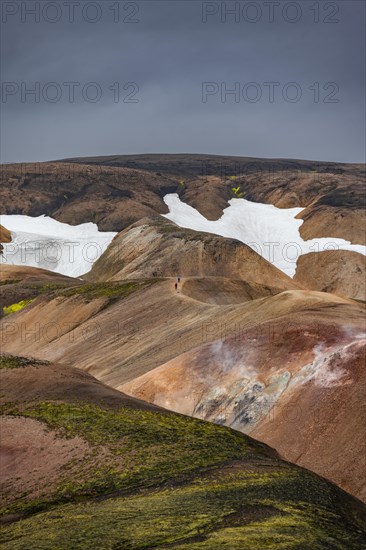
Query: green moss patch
x: 198, y: 516
x: 153, y: 479
x: 112, y: 291
x: 147, y: 441
x: 9, y: 282
x: 13, y: 308
x: 50, y: 287
x: 13, y: 362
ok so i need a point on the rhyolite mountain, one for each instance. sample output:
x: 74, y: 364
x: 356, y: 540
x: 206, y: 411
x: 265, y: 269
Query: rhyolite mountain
x: 238, y: 343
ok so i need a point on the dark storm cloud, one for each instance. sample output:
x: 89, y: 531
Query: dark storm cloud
x: 160, y: 73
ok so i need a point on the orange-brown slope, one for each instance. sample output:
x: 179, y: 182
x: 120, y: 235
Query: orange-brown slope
x: 33, y: 459
x: 340, y: 272
x: 36, y: 380
x: 23, y: 283
x: 339, y: 212
x: 156, y: 247
x: 296, y: 382
x: 321, y: 424
x: 5, y: 236
x: 111, y: 197
x: 224, y: 291
x: 24, y: 273
x: 120, y: 340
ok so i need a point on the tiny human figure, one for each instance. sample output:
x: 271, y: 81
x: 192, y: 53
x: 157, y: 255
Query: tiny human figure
x: 176, y: 286
x: 178, y: 279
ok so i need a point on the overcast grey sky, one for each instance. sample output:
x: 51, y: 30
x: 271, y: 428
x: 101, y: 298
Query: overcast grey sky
x: 154, y: 76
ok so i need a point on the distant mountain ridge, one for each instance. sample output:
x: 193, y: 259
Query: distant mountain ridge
x: 118, y: 190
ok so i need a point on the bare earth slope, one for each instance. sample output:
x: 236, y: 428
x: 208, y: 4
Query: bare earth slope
x: 89, y: 467
x: 297, y: 382
x: 118, y: 331
x: 111, y: 197
x: 5, y: 236
x: 224, y: 291
x: 156, y: 247
x: 23, y: 283
x: 24, y: 273
x: 341, y: 272
x: 273, y: 348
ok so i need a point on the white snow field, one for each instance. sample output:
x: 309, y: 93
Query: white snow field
x: 48, y: 244
x: 272, y: 232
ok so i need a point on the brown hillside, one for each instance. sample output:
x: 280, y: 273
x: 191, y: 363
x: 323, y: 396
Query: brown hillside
x: 332, y: 193
x: 156, y: 247
x: 223, y: 291
x: 5, y: 236
x: 120, y: 330
x: 24, y: 273
x: 23, y: 282
x: 341, y: 272
x: 111, y: 197
x: 296, y: 382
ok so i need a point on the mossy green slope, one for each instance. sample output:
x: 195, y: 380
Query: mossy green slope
x: 13, y: 362
x: 30, y: 290
x: 111, y: 291
x: 253, y: 512
x: 154, y: 479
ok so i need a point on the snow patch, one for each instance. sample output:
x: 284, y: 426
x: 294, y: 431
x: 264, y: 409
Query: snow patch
x: 49, y: 244
x: 272, y: 232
